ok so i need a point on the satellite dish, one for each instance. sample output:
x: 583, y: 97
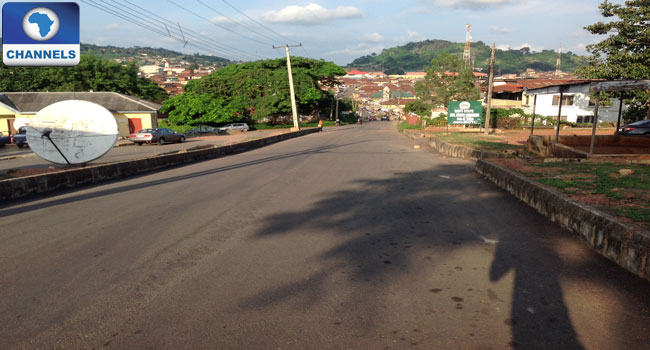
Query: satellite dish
x: 20, y: 122
x: 72, y: 132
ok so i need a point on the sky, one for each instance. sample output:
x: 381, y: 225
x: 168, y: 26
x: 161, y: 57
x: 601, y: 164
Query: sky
x: 337, y: 31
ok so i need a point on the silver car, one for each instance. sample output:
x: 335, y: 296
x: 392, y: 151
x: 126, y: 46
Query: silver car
x: 159, y: 135
x: 243, y: 127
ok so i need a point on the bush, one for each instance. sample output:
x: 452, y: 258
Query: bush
x: 438, y: 121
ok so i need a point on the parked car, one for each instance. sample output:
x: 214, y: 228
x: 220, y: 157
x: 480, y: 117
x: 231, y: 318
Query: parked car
x: 203, y: 129
x: 160, y: 135
x: 372, y: 117
x: 20, y: 138
x: 243, y: 127
x: 385, y: 117
x: 4, y: 140
x: 637, y: 128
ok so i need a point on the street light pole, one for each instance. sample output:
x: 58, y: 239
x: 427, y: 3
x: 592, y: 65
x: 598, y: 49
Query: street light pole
x: 294, y: 110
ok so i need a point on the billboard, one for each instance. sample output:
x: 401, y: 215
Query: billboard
x: 465, y: 113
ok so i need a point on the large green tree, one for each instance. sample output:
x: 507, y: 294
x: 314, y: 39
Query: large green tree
x: 625, y: 52
x: 92, y: 73
x: 256, y: 90
x: 448, y: 79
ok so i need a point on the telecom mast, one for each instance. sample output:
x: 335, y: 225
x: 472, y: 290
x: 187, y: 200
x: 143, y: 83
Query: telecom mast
x: 558, y: 65
x: 467, y: 57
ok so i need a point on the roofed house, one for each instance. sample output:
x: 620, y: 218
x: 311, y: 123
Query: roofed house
x: 131, y: 113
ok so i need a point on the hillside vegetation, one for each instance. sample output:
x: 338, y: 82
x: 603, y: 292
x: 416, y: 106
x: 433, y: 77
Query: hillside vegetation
x: 148, y: 55
x: 417, y: 57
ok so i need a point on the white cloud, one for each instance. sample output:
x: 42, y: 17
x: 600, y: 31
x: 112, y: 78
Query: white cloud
x: 470, y: 3
x: 220, y: 20
x: 358, y: 50
x: 519, y: 47
x: 500, y: 30
x: 312, y: 14
x: 111, y: 26
x: 416, y: 11
x: 373, y: 37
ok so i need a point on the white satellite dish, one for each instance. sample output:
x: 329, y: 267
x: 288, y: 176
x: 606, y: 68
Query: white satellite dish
x: 72, y: 132
x: 20, y: 122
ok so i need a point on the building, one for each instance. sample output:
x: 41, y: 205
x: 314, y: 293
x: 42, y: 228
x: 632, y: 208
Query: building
x: 131, y: 113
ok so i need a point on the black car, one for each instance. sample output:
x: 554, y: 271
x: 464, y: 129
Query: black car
x: 385, y: 117
x: 637, y: 128
x: 20, y: 138
x: 4, y: 139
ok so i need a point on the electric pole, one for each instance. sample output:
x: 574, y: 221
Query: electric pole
x: 489, y: 96
x: 294, y: 110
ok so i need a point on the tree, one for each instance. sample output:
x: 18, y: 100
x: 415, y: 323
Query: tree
x: 91, y: 73
x: 257, y: 90
x: 625, y: 53
x: 418, y: 107
x: 447, y: 79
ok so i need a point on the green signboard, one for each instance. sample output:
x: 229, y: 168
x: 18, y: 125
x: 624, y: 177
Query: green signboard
x: 465, y: 113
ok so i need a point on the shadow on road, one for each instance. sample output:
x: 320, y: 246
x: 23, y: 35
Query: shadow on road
x: 74, y: 198
x: 387, y: 229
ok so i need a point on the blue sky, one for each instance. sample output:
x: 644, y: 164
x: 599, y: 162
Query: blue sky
x: 338, y: 31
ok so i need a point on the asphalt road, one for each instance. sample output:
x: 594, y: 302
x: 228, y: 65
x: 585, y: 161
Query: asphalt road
x: 346, y: 239
x: 12, y: 157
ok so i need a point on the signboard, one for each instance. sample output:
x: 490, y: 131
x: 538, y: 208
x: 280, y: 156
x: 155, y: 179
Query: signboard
x: 465, y: 113
x: 40, y: 34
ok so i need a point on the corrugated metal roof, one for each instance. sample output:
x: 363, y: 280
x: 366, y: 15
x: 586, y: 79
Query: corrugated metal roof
x: 32, y: 102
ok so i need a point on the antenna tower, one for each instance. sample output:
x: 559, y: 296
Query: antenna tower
x: 467, y: 57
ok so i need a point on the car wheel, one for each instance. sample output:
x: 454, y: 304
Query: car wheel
x: 182, y: 139
x: 161, y: 141
x: 20, y: 145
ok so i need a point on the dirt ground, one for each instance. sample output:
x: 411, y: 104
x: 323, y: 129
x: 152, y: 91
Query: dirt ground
x: 519, y: 137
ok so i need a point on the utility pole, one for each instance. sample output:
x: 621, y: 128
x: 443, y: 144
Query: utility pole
x: 294, y: 110
x: 489, y: 96
x: 467, y: 56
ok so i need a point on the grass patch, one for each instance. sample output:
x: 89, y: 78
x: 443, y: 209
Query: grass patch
x: 406, y: 126
x: 479, y: 141
x: 640, y: 215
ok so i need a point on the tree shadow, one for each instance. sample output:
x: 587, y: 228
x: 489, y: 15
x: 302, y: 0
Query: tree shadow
x: 387, y: 227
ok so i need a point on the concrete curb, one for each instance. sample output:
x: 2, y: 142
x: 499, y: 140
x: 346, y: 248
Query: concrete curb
x: 38, y: 184
x: 452, y: 150
x: 626, y: 244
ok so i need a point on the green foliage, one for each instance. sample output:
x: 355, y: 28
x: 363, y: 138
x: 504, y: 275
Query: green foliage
x: 145, y: 54
x: 625, y: 52
x: 91, y: 73
x: 418, y: 107
x: 194, y: 109
x: 418, y: 56
x: 257, y: 90
x: 404, y: 125
x: 447, y: 79
x: 438, y: 121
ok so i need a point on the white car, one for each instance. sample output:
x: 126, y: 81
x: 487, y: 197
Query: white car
x: 243, y: 127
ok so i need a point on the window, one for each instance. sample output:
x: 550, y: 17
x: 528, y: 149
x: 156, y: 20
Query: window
x: 567, y: 100
x: 585, y: 119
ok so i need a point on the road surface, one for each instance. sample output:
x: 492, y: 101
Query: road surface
x: 346, y: 239
x: 20, y: 158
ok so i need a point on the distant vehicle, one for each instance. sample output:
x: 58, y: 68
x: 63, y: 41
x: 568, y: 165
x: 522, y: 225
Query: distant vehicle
x: 385, y: 117
x: 4, y: 140
x: 203, y: 129
x: 372, y: 117
x: 637, y: 128
x: 159, y: 135
x: 243, y: 127
x: 20, y: 138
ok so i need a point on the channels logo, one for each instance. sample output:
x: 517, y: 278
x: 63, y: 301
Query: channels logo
x: 40, y: 34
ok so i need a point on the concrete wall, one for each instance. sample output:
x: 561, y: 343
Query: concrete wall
x: 37, y: 184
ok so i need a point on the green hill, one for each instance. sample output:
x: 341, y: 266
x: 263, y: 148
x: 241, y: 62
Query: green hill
x: 148, y: 55
x: 417, y: 57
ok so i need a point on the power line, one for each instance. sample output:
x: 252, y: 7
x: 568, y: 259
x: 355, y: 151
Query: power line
x: 260, y: 24
x: 216, y: 24
x: 233, y: 21
x: 139, y: 23
x: 220, y: 48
